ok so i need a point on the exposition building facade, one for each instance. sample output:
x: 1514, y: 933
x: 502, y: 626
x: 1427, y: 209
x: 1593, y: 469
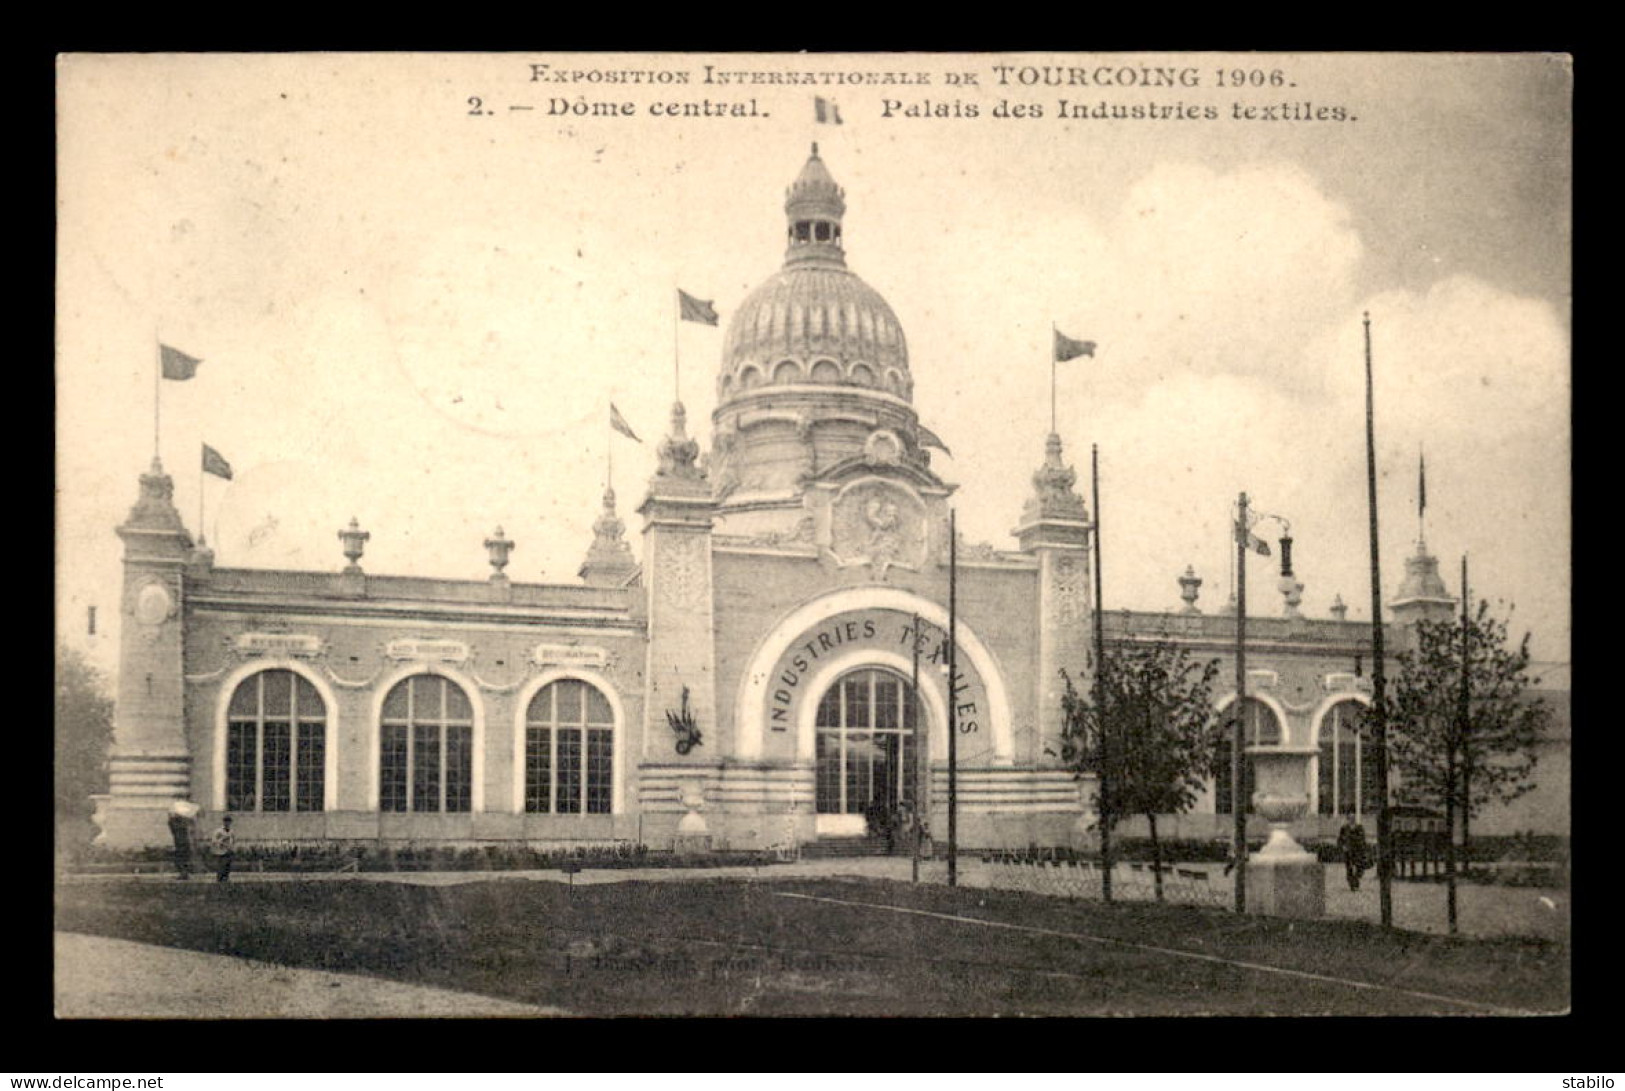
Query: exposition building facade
x: 744, y: 675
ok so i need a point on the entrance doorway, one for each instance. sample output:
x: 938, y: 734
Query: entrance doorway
x: 867, y: 753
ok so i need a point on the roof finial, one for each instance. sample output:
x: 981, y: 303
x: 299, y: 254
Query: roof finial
x: 815, y: 149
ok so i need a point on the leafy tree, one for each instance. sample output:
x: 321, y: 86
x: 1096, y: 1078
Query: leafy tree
x: 84, y: 730
x: 1160, y: 730
x: 1489, y: 758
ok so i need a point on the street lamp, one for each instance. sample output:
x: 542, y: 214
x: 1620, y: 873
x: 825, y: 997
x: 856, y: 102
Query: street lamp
x: 1245, y: 540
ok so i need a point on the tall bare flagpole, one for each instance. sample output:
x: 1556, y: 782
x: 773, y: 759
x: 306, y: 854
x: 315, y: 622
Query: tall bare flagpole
x: 1103, y: 788
x: 1379, y: 697
x: 953, y: 680
x: 914, y: 766
x: 1463, y: 718
x: 1238, y: 730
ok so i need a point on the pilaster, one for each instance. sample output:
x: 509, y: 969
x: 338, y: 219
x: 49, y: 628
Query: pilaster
x: 681, y: 677
x: 1055, y: 528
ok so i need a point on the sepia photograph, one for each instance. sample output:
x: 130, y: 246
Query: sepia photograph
x: 812, y: 534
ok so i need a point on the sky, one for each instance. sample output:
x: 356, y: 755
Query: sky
x: 414, y: 298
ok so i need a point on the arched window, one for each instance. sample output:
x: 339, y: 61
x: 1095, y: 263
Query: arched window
x: 826, y: 371
x: 426, y: 752
x: 865, y: 743
x: 863, y: 375
x: 750, y: 377
x: 1346, y: 787
x: 1260, y: 727
x: 787, y: 371
x: 276, y: 744
x: 569, y: 750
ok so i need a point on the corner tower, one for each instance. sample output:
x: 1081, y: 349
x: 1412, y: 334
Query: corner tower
x: 150, y: 763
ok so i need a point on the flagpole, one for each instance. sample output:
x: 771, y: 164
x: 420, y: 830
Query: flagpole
x: 1421, y: 494
x: 1238, y: 731
x: 953, y: 700
x: 202, y: 537
x: 914, y: 766
x: 1463, y: 715
x: 157, y: 385
x: 676, y: 351
x: 1103, y: 787
x: 1379, y: 702
x: 1052, y: 333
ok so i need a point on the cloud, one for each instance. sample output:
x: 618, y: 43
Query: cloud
x: 1226, y: 273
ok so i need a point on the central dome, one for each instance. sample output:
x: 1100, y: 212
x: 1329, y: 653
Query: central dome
x: 815, y: 322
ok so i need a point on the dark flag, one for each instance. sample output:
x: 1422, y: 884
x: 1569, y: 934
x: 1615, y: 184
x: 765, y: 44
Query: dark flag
x: 214, y: 464
x: 826, y: 111
x: 618, y: 422
x: 1067, y: 349
x: 695, y: 310
x: 176, y: 364
x: 929, y: 438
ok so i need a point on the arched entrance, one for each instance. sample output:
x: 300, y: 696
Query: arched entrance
x: 867, y: 750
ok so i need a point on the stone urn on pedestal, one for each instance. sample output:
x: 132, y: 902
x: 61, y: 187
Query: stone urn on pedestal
x: 1283, y: 878
x: 693, y: 835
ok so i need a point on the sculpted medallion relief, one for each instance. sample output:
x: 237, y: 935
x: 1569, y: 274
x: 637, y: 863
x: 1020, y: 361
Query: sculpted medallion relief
x: 880, y: 525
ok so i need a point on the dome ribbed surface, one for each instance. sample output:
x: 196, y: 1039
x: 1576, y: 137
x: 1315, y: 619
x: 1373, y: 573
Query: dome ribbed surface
x: 813, y: 313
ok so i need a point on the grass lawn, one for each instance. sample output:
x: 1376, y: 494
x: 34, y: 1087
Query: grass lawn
x: 732, y: 947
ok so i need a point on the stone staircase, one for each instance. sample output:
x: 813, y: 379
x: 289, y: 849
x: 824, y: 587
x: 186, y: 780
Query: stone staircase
x: 828, y: 847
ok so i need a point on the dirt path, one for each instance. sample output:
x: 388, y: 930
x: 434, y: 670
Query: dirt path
x: 111, y: 978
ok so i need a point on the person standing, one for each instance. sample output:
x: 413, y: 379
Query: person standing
x: 183, y: 829
x: 1356, y: 856
x: 223, y: 844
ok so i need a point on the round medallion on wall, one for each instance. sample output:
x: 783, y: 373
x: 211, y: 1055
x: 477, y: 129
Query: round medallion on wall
x: 153, y: 604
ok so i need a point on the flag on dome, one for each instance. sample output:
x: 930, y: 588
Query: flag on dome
x: 213, y: 463
x: 1066, y: 348
x: 176, y: 364
x: 618, y: 422
x: 826, y: 111
x: 696, y: 310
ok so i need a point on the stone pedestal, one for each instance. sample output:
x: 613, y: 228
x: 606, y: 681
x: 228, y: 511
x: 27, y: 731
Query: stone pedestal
x: 693, y: 834
x: 1283, y: 878
x: 135, y: 814
x: 1280, y: 888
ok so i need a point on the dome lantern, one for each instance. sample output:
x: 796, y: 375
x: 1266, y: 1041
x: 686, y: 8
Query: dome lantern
x: 814, y: 205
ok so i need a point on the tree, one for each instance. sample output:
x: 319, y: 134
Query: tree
x: 1488, y: 758
x: 1160, y: 731
x: 84, y: 731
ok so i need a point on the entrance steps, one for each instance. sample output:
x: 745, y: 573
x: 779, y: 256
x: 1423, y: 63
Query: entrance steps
x: 828, y: 847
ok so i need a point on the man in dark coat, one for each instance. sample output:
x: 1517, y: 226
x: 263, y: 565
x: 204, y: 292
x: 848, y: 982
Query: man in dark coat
x: 1356, y: 855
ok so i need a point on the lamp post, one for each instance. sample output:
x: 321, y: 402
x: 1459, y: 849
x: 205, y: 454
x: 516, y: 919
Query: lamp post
x: 1246, y: 539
